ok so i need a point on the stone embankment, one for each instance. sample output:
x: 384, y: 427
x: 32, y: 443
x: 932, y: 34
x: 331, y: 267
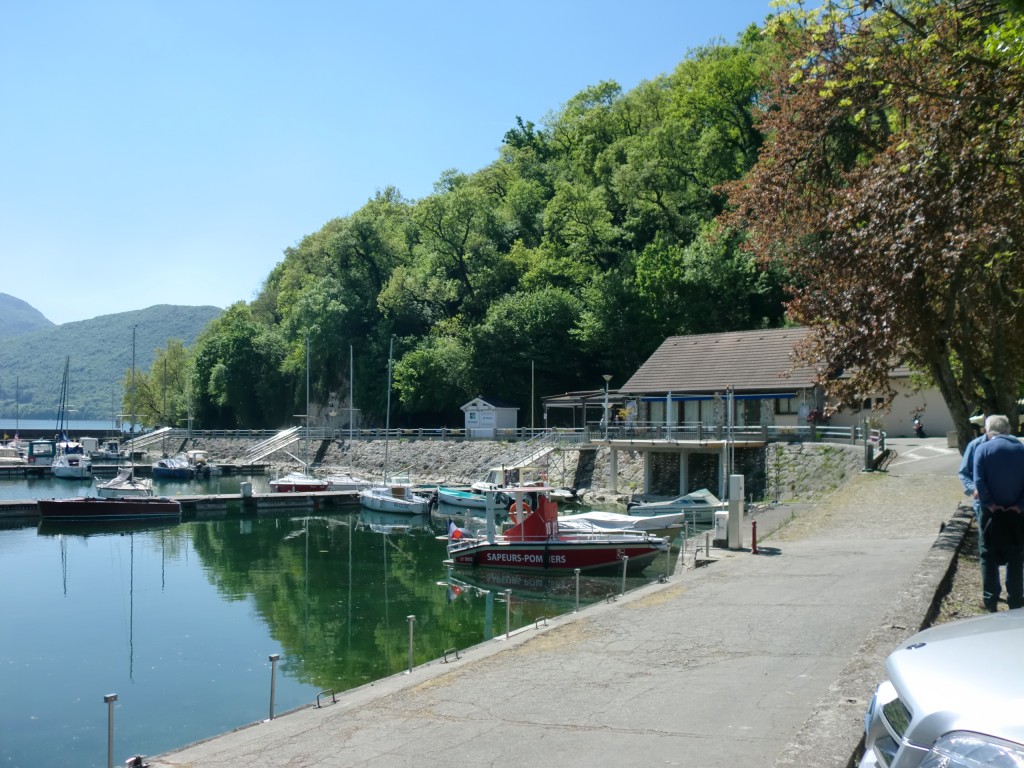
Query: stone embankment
x: 793, y: 472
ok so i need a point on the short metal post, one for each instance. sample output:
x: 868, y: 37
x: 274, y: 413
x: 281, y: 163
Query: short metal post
x: 625, y: 565
x: 753, y: 537
x: 707, y: 544
x: 273, y: 680
x: 412, y: 622
x: 508, y: 613
x: 110, y: 698
x: 577, y: 572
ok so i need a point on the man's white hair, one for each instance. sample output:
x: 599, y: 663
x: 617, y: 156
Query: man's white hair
x: 997, y: 424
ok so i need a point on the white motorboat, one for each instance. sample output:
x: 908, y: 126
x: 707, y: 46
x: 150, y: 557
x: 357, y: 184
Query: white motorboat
x: 699, y: 506
x: 396, y: 496
x: 344, y: 481
x: 71, y: 464
x: 125, y: 483
x: 614, y: 521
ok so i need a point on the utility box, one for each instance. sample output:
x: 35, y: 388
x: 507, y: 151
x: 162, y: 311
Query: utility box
x: 721, y: 529
x: 736, y: 492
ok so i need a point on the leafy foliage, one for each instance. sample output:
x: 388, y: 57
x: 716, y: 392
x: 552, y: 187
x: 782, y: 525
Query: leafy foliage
x: 890, y: 189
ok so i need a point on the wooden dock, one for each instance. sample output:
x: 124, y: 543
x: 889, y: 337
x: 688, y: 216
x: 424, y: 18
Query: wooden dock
x: 221, y: 506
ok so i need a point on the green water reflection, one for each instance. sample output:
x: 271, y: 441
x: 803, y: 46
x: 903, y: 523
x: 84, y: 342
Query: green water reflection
x: 180, y: 620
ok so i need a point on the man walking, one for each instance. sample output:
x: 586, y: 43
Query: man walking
x: 967, y: 474
x: 999, y: 480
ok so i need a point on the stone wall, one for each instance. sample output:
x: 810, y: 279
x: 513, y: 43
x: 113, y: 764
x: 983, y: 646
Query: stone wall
x: 782, y: 471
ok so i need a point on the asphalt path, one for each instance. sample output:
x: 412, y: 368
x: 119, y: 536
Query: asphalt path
x: 750, y: 660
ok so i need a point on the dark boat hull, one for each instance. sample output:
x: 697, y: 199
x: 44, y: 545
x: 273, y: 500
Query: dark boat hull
x: 92, y: 509
x: 559, y: 556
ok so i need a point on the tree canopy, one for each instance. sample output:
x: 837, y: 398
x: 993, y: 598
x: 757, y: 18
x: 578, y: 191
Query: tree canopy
x: 572, y: 255
x: 889, y: 190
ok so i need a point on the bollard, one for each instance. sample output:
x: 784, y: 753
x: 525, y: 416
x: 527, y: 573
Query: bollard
x: 707, y: 545
x: 508, y: 613
x: 625, y: 565
x: 110, y: 698
x: 753, y: 537
x: 273, y: 680
x: 577, y: 572
x: 412, y: 621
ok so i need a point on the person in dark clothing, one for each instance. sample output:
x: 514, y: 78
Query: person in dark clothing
x: 999, y: 480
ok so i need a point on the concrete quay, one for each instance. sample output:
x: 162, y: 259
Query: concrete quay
x: 753, y: 660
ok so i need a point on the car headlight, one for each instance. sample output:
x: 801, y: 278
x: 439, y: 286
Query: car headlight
x: 961, y: 749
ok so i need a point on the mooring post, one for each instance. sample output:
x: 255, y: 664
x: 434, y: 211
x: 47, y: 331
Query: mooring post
x: 110, y: 698
x: 412, y: 622
x: 753, y: 537
x: 625, y: 565
x: 577, y: 572
x: 273, y: 680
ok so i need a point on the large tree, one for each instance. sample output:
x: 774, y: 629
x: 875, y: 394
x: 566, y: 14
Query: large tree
x: 890, y: 189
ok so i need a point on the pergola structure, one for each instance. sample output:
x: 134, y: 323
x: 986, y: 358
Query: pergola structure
x: 582, y: 404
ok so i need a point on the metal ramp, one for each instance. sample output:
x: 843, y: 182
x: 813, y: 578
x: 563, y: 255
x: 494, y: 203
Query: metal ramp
x: 148, y: 440
x: 278, y: 442
x: 539, y: 449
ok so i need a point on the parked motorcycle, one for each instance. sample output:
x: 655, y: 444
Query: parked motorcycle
x: 918, y: 427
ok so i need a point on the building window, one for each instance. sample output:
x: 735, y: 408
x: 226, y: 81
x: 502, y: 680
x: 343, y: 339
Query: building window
x: 785, y: 405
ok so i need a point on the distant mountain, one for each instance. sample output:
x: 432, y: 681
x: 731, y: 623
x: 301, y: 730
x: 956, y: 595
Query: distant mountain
x: 18, y: 317
x: 100, y: 350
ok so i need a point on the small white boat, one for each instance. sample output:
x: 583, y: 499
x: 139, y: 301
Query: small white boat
x: 71, y: 464
x: 614, y: 521
x: 10, y: 457
x: 125, y: 483
x: 700, y: 506
x: 396, y: 496
x: 345, y: 481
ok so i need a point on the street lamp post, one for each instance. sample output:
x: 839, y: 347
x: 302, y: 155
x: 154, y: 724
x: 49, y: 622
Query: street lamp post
x: 607, y: 416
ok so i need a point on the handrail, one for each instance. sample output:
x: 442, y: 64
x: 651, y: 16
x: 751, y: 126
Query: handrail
x: 551, y: 438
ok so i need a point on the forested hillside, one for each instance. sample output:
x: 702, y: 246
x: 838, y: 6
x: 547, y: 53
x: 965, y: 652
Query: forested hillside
x: 100, y: 352
x: 18, y: 317
x: 587, y: 241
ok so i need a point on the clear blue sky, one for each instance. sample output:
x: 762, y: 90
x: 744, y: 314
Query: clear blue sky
x: 168, y: 152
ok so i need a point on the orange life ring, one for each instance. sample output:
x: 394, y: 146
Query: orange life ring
x: 515, y: 508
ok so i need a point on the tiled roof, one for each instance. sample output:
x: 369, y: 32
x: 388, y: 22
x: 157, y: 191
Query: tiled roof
x: 749, y: 361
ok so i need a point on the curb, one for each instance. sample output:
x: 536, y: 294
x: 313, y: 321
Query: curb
x: 833, y: 736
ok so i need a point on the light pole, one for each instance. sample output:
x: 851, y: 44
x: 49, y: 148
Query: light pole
x: 607, y: 417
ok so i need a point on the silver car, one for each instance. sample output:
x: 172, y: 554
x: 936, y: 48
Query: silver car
x: 954, y: 698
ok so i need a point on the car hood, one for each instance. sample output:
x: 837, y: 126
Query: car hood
x: 966, y: 675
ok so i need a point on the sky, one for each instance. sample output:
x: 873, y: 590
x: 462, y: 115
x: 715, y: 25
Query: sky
x: 169, y: 152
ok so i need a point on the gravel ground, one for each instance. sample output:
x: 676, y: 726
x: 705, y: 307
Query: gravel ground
x: 964, y: 597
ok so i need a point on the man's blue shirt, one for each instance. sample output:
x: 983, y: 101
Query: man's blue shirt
x: 999, y: 472
x: 967, y: 464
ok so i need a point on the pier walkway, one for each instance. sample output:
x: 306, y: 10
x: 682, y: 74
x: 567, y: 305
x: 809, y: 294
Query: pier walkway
x: 753, y: 660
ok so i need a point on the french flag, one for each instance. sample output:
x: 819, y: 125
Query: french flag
x: 454, y: 532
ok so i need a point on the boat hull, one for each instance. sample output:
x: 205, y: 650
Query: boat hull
x: 90, y: 508
x: 560, y: 556
x: 408, y: 504
x: 297, y: 487
x: 457, y: 497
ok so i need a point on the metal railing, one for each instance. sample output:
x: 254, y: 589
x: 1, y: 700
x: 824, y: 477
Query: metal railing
x: 542, y: 441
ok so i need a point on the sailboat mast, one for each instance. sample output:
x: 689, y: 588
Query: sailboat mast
x: 306, y: 449
x: 131, y: 402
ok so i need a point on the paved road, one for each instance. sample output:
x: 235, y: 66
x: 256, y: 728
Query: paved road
x: 753, y: 660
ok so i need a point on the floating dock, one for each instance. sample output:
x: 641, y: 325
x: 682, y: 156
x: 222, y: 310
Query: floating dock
x: 220, y: 506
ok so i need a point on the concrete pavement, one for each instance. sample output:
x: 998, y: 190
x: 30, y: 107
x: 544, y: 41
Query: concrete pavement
x: 750, y: 661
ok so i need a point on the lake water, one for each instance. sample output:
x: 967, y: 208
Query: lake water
x: 179, y: 621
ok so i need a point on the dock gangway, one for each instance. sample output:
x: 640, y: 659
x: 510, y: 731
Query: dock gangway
x: 278, y: 442
x: 148, y: 440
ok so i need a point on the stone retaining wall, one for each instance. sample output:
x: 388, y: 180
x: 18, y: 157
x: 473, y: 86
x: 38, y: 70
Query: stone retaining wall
x: 781, y: 472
